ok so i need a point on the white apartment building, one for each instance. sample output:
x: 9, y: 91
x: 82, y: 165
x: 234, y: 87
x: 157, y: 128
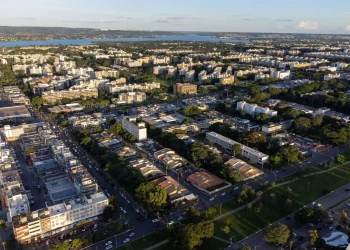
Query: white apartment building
x: 280, y: 74
x: 17, y: 203
x: 51, y: 220
x: 138, y: 130
x: 331, y: 76
x: 131, y: 87
x: 190, y: 75
x: 247, y: 152
x: 254, y: 109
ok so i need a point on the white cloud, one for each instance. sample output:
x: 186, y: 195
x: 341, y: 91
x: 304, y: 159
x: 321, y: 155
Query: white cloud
x: 308, y: 25
x: 347, y: 27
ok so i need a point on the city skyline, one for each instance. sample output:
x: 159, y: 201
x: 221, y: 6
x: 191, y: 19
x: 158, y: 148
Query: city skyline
x: 224, y: 16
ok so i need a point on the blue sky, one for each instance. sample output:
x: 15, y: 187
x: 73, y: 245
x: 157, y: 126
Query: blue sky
x: 309, y: 16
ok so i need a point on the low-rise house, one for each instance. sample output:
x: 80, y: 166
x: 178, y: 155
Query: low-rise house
x: 147, y: 169
x: 207, y: 182
x: 248, y: 171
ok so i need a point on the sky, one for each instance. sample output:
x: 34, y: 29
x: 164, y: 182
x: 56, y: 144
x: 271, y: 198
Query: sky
x: 297, y: 16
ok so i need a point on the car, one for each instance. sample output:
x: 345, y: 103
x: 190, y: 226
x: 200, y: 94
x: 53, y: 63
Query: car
x: 126, y: 240
x: 124, y: 211
x: 108, y: 243
x: 121, y: 208
x: 180, y: 218
x: 348, y: 204
x: 127, y: 201
x: 83, y: 229
x: 131, y: 234
x: 223, y: 194
x: 137, y: 211
x: 170, y: 222
x: 110, y: 246
x: 331, y: 228
x: 313, y: 203
x: 311, y: 225
x: 308, y: 162
x: 319, y: 205
x: 155, y: 220
x: 235, y: 188
x: 212, y: 198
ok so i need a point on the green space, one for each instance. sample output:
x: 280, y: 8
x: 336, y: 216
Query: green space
x: 281, y: 201
x: 208, y: 244
x: 147, y: 241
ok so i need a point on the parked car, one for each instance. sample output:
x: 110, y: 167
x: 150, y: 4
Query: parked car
x: 131, y: 234
x: 126, y: 240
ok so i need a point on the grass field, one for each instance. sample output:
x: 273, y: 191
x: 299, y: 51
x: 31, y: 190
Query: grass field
x: 147, y: 241
x: 208, y: 244
x: 298, y: 194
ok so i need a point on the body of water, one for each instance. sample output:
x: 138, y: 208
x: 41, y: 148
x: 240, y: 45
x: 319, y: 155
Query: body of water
x: 195, y: 38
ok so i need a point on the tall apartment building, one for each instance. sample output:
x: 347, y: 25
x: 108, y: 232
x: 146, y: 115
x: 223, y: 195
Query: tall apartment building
x: 184, y: 88
x: 107, y: 73
x: 138, y: 130
x: 116, y: 88
x: 52, y: 97
x: 247, y: 152
x: 131, y: 97
x: 51, y: 220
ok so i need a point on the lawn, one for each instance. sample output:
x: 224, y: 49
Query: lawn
x: 147, y: 241
x: 276, y: 206
x: 208, y: 244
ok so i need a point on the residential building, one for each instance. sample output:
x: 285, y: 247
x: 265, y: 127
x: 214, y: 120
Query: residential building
x: 331, y: 76
x: 168, y: 158
x: 137, y: 129
x: 207, y: 182
x: 276, y: 127
x: 248, y: 171
x: 176, y: 192
x: 185, y: 88
x: 147, y: 169
x: 131, y: 97
x: 116, y: 88
x: 14, y: 112
x: 42, y: 223
x: 190, y: 75
x: 254, y: 109
x: 226, y: 143
x: 280, y: 74
x: 227, y: 80
x: 52, y: 97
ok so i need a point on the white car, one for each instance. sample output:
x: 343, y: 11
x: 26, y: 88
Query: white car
x: 108, y: 243
x: 223, y: 194
x: 126, y: 240
x: 170, y: 222
x: 109, y: 247
x: 124, y: 211
x: 127, y: 201
x: 235, y: 188
x: 155, y: 220
x: 131, y: 234
x: 348, y: 204
x: 212, y: 198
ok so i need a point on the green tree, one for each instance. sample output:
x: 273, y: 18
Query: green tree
x: 153, y: 195
x: 192, y: 212
x: 303, y: 124
x: 2, y: 224
x: 187, y: 121
x: 233, y: 174
x: 64, y: 123
x: 313, y: 236
x: 225, y: 229
x: 79, y: 243
x: 61, y: 246
x: 290, y: 153
x: 344, y: 218
x: 276, y: 234
x: 113, y: 202
x: 340, y: 159
x: 116, y: 128
x: 191, y: 111
x: 191, y: 235
x: 7, y: 76
x: 236, y: 149
x: 107, y: 213
x: 37, y: 102
x: 29, y: 150
x: 203, y: 91
x: 86, y: 140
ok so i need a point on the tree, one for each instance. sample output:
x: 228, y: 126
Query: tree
x: 187, y: 121
x: 153, y: 195
x: 113, y: 202
x: 276, y: 234
x: 64, y: 123
x: 313, y: 236
x: 29, y: 150
x: 307, y: 215
x: 192, y: 212
x: 115, y: 128
x: 86, y: 140
x: 79, y: 243
x: 2, y: 224
x: 340, y: 159
x: 203, y: 91
x: 225, y: 229
x: 61, y: 246
x: 290, y: 153
x: 232, y: 174
x: 303, y: 124
x: 191, y: 235
x: 236, y: 149
x: 258, y: 208
x: 37, y: 102
x: 344, y: 218
x: 107, y: 213
x: 191, y: 111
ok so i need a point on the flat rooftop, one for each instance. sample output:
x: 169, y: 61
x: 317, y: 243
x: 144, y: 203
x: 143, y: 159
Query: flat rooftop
x: 14, y: 112
x: 61, y: 189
